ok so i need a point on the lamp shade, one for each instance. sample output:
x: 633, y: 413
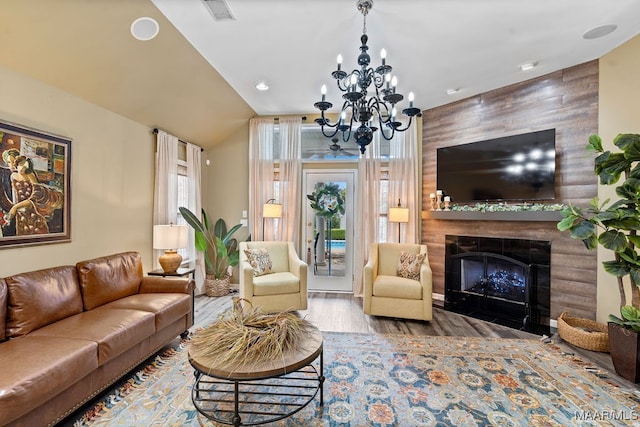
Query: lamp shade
x: 272, y: 210
x: 399, y: 214
x: 170, y: 236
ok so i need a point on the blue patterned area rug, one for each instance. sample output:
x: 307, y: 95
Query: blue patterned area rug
x: 401, y: 380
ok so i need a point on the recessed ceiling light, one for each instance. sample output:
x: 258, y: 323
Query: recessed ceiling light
x: 600, y: 31
x: 262, y: 86
x: 528, y: 66
x: 145, y: 28
x: 453, y: 91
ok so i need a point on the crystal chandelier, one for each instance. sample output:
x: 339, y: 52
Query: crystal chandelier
x: 363, y: 112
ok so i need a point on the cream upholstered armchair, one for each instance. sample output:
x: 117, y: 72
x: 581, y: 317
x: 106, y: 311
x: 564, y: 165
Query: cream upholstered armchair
x: 272, y: 277
x: 387, y: 293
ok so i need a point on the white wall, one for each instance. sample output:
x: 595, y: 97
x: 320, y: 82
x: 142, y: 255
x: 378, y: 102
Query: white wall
x: 619, y: 112
x: 112, y: 163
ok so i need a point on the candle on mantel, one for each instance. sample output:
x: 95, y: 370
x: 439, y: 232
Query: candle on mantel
x: 447, y: 198
x: 439, y: 192
x: 432, y: 195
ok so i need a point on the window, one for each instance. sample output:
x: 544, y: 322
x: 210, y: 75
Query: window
x: 384, y: 205
x: 183, y: 200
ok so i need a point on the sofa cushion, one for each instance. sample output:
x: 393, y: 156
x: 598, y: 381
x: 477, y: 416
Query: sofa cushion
x: 397, y: 287
x: 114, y: 329
x: 389, y: 254
x: 409, y: 265
x: 278, y: 252
x: 166, y: 307
x: 38, y: 298
x: 3, y: 310
x: 109, y: 278
x: 259, y: 261
x: 34, y: 369
x: 276, y: 284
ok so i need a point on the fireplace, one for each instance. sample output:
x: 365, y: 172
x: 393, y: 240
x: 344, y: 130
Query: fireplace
x: 505, y: 281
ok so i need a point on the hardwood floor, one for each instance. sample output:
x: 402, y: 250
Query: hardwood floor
x: 342, y: 312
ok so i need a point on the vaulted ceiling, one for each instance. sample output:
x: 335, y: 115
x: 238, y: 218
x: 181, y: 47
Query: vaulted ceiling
x: 197, y: 78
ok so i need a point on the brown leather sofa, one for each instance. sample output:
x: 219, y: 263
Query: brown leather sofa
x: 67, y: 333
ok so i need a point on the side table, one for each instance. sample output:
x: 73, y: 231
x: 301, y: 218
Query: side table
x: 181, y: 272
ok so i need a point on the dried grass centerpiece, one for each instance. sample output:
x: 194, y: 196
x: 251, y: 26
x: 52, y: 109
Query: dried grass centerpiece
x: 247, y: 336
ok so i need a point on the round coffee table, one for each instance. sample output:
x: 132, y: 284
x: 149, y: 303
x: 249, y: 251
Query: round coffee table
x: 262, y: 392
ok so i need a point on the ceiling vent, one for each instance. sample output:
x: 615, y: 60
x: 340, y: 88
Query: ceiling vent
x: 220, y: 10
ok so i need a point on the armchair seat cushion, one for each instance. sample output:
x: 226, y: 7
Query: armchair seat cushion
x: 276, y: 283
x: 397, y: 287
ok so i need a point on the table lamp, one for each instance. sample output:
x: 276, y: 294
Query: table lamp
x: 271, y: 209
x: 399, y: 214
x: 170, y: 237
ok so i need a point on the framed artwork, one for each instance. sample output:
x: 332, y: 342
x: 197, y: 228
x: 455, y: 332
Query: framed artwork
x: 35, y: 191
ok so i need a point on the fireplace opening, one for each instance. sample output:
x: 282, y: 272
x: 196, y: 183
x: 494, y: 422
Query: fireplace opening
x: 504, y: 281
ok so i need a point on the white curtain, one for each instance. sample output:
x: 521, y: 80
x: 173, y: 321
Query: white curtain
x: 194, y: 176
x: 166, y: 183
x: 367, y: 209
x: 404, y: 178
x: 290, y: 186
x: 260, y: 175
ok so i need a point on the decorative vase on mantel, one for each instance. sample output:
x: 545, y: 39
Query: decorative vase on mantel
x: 624, y: 347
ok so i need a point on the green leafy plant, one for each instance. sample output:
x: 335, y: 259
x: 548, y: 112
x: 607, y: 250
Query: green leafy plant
x: 630, y: 318
x: 219, y: 247
x: 614, y: 225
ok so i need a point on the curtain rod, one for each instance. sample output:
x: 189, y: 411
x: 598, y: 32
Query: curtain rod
x: 155, y: 132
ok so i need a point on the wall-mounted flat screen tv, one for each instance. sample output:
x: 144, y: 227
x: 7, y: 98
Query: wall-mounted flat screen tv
x: 513, y: 168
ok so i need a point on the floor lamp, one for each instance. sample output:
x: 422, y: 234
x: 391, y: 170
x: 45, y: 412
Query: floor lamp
x: 399, y: 214
x: 270, y: 209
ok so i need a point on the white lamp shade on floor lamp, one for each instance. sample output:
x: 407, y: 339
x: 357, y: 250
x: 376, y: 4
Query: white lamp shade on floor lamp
x: 170, y: 237
x: 271, y: 209
x: 399, y: 214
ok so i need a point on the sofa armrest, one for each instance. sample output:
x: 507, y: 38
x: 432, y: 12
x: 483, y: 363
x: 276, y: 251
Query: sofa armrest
x: 246, y: 281
x: 158, y: 284
x: 370, y: 272
x: 426, y: 278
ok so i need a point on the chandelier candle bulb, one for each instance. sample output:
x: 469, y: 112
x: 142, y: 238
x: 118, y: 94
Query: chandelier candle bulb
x: 323, y: 91
x: 410, y: 99
x: 383, y: 55
x: 339, y: 60
x: 387, y: 79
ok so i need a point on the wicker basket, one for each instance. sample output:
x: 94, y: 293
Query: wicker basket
x: 583, y: 333
x: 217, y: 287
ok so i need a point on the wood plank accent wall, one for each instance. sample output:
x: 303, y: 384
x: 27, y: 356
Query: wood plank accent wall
x: 566, y: 100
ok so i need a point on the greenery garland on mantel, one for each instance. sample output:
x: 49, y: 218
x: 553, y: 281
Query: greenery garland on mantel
x: 507, y: 207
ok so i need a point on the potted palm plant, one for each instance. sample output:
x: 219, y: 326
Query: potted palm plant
x: 219, y: 247
x: 614, y: 226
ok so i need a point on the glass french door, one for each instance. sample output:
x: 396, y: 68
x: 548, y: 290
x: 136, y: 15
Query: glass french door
x: 328, y: 206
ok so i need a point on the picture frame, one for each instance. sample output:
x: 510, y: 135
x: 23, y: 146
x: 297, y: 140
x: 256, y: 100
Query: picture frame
x: 35, y: 187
